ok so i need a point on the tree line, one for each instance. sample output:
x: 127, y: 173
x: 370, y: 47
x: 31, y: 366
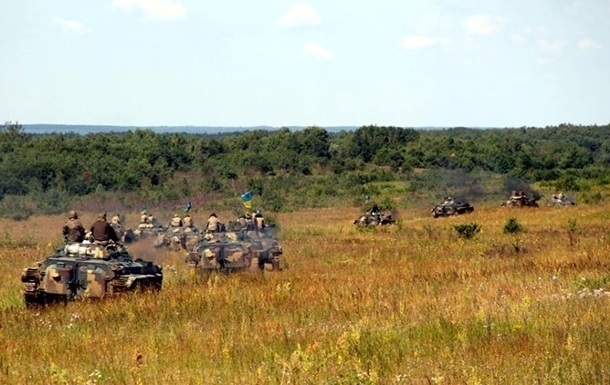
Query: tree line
x: 300, y: 166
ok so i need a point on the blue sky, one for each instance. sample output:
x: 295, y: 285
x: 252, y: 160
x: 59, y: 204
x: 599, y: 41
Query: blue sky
x: 405, y: 63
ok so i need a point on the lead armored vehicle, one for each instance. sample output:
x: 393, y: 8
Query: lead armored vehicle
x: 86, y: 270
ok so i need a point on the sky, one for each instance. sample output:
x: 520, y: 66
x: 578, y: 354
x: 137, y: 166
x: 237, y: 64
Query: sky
x: 238, y: 63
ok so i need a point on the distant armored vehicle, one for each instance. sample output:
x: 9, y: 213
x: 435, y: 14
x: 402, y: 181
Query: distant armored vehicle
x: 520, y: 199
x: 561, y: 200
x: 374, y: 219
x: 451, y: 207
x: 85, y: 270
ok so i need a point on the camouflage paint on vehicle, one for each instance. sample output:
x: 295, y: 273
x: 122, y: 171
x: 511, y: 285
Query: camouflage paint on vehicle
x: 80, y: 271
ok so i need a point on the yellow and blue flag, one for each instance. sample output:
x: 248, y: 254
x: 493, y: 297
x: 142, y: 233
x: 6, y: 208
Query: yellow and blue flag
x: 246, y: 198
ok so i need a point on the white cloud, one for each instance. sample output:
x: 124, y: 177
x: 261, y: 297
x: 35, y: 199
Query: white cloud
x: 551, y: 46
x: 317, y: 51
x: 482, y: 24
x: 299, y: 14
x: 420, y: 42
x: 588, y: 44
x: 70, y: 26
x: 153, y: 9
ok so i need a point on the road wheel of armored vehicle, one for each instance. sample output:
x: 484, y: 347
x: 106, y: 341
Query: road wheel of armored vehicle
x: 146, y: 287
x: 34, y: 300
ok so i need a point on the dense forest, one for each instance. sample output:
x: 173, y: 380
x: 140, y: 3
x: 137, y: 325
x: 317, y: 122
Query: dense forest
x: 287, y: 169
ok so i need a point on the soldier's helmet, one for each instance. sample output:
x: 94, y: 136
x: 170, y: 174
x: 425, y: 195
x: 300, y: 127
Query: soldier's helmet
x: 72, y: 215
x: 213, y: 214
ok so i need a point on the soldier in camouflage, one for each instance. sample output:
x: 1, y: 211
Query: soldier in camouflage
x: 73, y: 230
x: 213, y: 224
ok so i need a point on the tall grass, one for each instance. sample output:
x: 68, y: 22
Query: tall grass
x: 414, y: 304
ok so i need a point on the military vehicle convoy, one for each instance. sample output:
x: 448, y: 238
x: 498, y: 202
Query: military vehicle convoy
x: 86, y: 270
x: 451, y: 207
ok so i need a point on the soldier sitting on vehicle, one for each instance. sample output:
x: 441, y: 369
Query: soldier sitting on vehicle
x: 176, y: 221
x: 73, y: 230
x: 243, y: 222
x: 448, y: 201
x: 259, y: 220
x: 146, y: 221
x: 187, y: 221
x: 102, y: 232
x: 213, y: 224
x: 375, y: 212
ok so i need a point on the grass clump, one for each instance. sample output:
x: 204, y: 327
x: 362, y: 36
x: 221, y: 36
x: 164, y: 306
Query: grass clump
x: 467, y: 230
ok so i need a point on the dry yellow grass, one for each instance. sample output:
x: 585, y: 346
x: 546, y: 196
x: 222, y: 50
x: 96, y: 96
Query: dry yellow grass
x: 409, y: 304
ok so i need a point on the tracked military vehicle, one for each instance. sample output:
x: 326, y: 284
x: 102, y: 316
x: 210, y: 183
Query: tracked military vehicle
x: 236, y: 251
x: 521, y: 200
x: 451, y: 207
x: 86, y: 270
x: 561, y: 200
x: 374, y: 219
x: 178, y: 238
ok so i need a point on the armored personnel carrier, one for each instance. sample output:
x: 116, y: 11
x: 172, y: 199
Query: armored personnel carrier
x: 86, y: 270
x: 148, y: 231
x: 374, y: 219
x: 561, y: 200
x: 236, y: 251
x: 265, y: 248
x: 178, y: 238
x: 520, y: 199
x: 451, y: 207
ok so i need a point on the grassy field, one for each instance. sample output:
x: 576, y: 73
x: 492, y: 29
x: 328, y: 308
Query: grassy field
x: 410, y: 304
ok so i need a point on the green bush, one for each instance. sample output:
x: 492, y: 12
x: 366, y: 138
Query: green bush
x: 512, y: 227
x: 467, y: 230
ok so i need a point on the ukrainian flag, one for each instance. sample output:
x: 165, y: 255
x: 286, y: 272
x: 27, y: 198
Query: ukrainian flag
x: 246, y: 198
